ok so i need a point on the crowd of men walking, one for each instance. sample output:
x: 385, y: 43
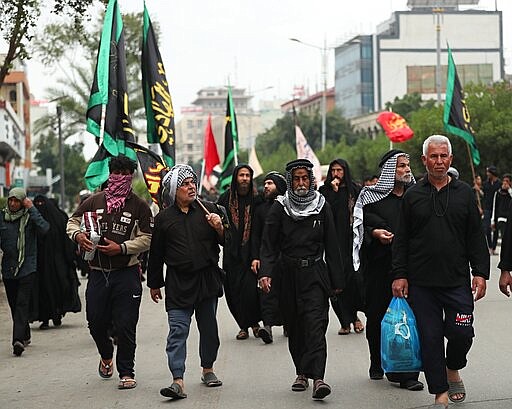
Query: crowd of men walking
x: 287, y: 255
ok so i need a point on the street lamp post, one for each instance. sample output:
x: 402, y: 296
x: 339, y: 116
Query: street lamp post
x: 323, y: 51
x: 61, y: 158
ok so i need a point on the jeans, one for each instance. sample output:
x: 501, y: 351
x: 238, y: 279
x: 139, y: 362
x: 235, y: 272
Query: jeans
x: 179, y: 326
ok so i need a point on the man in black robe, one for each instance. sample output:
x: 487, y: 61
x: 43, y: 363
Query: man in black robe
x: 299, y: 228
x: 341, y: 193
x: 375, y: 220
x: 274, y: 184
x: 241, y: 283
x: 57, y: 282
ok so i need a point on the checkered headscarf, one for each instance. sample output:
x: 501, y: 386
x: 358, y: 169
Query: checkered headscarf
x: 373, y: 194
x: 175, y: 177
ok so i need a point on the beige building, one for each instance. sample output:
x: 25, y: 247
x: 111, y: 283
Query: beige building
x: 190, y: 129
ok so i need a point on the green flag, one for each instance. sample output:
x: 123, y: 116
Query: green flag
x: 456, y: 114
x: 157, y: 99
x: 107, y: 113
x: 230, y: 145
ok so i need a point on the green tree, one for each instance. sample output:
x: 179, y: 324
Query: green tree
x: 59, y: 45
x: 19, y: 19
x: 47, y: 156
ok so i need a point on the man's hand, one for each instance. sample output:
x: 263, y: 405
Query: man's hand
x: 110, y: 249
x: 400, y: 288
x: 265, y: 283
x: 335, y: 183
x: 384, y: 236
x: 505, y: 282
x: 255, y: 266
x: 84, y: 242
x: 215, y: 221
x: 478, y: 286
x: 156, y: 294
x: 27, y: 203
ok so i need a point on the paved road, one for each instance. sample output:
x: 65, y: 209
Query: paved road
x: 59, y: 369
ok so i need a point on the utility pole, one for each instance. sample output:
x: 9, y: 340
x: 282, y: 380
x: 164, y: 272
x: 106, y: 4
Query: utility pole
x: 437, y: 11
x: 61, y: 159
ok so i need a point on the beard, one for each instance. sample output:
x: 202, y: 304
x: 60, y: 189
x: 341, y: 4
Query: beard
x: 404, y: 179
x: 301, y: 191
x: 243, y: 189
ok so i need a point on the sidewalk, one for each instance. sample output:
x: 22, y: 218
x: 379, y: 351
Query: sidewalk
x: 59, y: 369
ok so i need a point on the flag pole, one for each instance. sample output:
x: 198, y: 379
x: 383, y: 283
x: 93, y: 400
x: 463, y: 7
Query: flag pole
x: 203, y: 165
x: 473, y: 174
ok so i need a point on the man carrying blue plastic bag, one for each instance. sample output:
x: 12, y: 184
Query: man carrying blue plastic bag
x: 439, y: 237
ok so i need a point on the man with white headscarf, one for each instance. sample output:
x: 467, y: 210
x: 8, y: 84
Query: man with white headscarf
x: 375, y: 221
x: 186, y: 239
x: 20, y: 223
x: 299, y: 229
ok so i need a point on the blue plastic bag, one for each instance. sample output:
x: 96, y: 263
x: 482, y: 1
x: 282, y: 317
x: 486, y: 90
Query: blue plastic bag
x: 399, y: 341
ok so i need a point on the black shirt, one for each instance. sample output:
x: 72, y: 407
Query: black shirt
x: 505, y: 263
x: 489, y: 188
x: 189, y: 247
x: 439, y: 235
x: 258, y: 223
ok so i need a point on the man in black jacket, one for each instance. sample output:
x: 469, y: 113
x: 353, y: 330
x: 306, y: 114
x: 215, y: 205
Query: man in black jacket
x: 439, y: 236
x: 186, y: 239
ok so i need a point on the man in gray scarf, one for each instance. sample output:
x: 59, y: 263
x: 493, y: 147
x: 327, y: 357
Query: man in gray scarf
x: 299, y: 229
x: 20, y: 222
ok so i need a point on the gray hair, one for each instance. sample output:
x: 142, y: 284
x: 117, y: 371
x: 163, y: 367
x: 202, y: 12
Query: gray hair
x: 440, y: 139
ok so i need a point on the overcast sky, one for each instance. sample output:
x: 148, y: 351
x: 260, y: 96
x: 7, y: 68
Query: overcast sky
x: 204, y: 43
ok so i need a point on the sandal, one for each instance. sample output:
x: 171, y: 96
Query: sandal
x: 127, y: 383
x: 300, y: 384
x: 456, y: 388
x: 105, y: 370
x: 344, y: 331
x: 175, y: 391
x: 320, y: 389
x: 242, y: 334
x: 255, y: 331
x: 358, y: 326
x: 210, y: 379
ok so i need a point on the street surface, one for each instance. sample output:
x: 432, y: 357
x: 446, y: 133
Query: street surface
x: 59, y: 368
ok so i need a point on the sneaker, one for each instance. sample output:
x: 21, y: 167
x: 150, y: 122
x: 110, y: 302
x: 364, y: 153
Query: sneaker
x: 18, y: 348
x: 265, y: 333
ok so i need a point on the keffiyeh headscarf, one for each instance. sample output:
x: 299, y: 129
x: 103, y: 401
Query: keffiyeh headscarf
x: 373, y: 194
x: 300, y: 207
x: 175, y: 177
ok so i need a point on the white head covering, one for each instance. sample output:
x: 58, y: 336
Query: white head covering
x: 175, y: 177
x: 372, y: 194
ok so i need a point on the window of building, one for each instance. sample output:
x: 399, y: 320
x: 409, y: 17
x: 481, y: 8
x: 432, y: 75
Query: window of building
x: 422, y: 79
x: 190, y: 123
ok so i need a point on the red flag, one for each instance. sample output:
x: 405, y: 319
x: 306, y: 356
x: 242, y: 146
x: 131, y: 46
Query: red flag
x: 395, y: 127
x: 211, y: 156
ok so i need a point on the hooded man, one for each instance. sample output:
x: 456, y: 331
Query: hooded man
x: 114, y: 288
x: 375, y: 221
x: 274, y: 185
x: 299, y: 230
x: 20, y: 223
x: 341, y: 193
x: 240, y: 286
x: 186, y: 239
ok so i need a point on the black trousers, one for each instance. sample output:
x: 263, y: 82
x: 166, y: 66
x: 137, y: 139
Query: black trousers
x: 18, y: 293
x: 440, y: 313
x: 113, y: 299
x: 345, y: 304
x: 305, y: 308
x: 378, y: 297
